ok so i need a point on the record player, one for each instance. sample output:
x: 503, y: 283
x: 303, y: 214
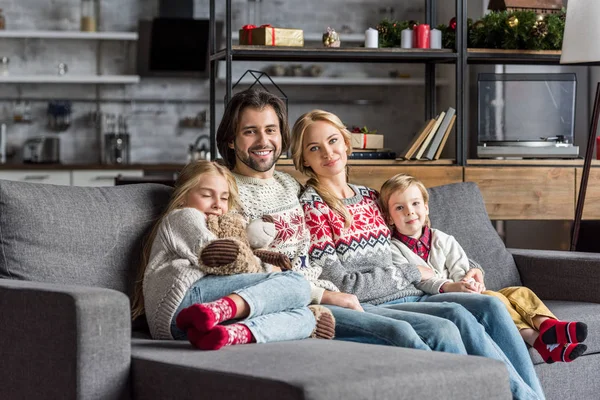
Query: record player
x: 526, y: 115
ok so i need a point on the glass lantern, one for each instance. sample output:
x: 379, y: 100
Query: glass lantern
x: 88, y: 15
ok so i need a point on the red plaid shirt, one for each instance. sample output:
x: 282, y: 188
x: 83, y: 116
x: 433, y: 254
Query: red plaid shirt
x: 419, y: 246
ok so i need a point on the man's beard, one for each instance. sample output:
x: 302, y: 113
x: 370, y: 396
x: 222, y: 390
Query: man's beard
x: 251, y: 163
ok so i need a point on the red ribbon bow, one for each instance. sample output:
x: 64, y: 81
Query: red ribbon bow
x: 248, y: 28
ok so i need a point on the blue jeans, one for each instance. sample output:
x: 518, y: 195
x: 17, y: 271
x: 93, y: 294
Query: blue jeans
x: 365, y: 327
x: 494, y: 323
x: 278, y: 303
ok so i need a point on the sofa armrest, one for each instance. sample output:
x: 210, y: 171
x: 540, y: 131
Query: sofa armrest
x: 560, y: 275
x: 67, y: 342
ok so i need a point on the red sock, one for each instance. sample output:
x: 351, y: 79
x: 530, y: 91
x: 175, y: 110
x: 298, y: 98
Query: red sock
x: 565, y: 352
x: 219, y: 336
x: 203, y: 317
x: 555, y: 331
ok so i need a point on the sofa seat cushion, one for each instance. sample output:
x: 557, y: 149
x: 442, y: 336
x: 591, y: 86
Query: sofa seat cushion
x: 588, y: 313
x: 88, y: 236
x: 310, y: 369
x: 458, y: 209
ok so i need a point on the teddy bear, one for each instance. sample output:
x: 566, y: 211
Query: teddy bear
x: 239, y: 247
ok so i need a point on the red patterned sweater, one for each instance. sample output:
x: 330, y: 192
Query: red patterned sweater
x: 357, y: 259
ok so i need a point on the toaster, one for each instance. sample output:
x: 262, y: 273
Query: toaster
x: 41, y: 150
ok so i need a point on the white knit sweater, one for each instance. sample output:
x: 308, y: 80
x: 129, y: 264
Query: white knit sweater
x: 278, y: 197
x: 173, y: 267
x: 447, y: 259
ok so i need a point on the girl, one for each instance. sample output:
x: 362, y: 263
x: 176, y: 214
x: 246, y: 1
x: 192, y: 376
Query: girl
x: 405, y: 204
x: 350, y: 243
x: 179, y: 299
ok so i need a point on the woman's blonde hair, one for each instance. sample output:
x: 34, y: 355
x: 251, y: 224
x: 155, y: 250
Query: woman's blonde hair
x: 300, y: 127
x: 399, y: 183
x: 189, y: 178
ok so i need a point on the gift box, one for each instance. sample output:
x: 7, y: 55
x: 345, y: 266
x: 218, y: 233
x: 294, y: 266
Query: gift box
x: 266, y: 35
x: 367, y: 141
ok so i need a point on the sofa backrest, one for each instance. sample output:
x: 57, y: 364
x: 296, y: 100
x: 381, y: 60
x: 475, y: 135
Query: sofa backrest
x: 458, y: 209
x: 76, y: 235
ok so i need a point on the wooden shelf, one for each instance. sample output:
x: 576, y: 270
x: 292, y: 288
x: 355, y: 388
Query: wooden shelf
x: 288, y: 161
x: 69, y: 35
x: 92, y: 79
x: 577, y: 162
x: 318, y: 37
x: 349, y: 54
x: 499, y: 56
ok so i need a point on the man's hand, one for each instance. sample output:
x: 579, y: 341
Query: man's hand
x: 458, y: 287
x: 426, y: 272
x: 340, y: 299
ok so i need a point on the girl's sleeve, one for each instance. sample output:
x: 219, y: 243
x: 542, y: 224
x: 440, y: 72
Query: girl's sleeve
x: 371, y: 282
x: 184, y: 232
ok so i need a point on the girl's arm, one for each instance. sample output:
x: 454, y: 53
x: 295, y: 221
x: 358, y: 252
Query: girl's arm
x: 185, y: 233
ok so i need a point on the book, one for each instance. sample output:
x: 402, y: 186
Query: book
x: 373, y: 155
x: 438, y: 153
x: 439, y: 134
x: 417, y: 140
x: 430, y: 136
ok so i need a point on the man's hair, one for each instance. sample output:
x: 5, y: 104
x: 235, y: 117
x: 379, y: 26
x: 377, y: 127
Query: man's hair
x: 257, y: 99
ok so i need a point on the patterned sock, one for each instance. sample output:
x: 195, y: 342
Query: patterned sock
x: 219, y: 336
x: 555, y: 331
x: 566, y: 352
x: 203, y: 317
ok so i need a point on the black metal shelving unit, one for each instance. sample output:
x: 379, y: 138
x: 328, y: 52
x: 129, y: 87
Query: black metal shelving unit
x: 430, y: 58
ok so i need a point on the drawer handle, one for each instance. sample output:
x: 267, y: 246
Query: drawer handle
x: 36, y: 177
x: 104, y: 178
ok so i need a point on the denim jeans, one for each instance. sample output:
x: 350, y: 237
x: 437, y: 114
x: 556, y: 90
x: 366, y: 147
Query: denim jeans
x: 366, y: 327
x: 494, y: 336
x: 278, y: 303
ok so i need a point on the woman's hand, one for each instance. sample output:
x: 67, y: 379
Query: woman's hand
x: 458, y: 287
x: 340, y: 299
x: 426, y: 272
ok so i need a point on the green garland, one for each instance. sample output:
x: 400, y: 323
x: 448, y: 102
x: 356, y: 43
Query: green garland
x: 524, y: 30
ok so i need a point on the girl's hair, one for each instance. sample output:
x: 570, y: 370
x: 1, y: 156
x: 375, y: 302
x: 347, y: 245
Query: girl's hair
x: 189, y: 178
x: 253, y: 98
x: 300, y: 127
x: 399, y: 183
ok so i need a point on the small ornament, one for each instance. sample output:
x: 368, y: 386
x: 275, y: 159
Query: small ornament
x: 540, y: 29
x: 412, y: 23
x: 331, y: 38
x: 512, y: 21
x: 452, y: 23
x: 540, y: 17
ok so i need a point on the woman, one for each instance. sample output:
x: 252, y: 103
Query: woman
x: 350, y: 242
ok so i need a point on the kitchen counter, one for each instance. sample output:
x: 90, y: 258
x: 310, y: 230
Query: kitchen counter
x: 70, y: 167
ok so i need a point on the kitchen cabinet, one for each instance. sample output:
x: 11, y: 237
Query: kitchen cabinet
x: 105, y: 177
x: 38, y: 176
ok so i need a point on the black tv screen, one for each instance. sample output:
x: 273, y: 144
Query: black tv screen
x: 174, y: 47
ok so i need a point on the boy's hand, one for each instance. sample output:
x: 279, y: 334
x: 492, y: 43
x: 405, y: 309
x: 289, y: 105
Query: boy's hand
x: 474, y: 286
x: 475, y: 274
x: 426, y: 272
x: 458, y: 287
x: 340, y: 299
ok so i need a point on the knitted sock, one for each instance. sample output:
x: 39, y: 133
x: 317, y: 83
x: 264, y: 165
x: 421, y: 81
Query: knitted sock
x: 555, y: 331
x: 205, y: 316
x: 219, y: 336
x: 566, y: 352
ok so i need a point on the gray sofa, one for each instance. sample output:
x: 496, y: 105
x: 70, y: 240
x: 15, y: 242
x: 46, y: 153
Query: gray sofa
x: 67, y: 260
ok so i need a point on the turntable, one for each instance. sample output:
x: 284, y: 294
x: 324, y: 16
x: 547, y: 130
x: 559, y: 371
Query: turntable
x: 526, y: 115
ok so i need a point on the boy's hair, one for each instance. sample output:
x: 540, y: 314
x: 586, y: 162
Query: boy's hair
x: 189, y: 178
x: 254, y: 98
x: 399, y: 183
x: 300, y: 127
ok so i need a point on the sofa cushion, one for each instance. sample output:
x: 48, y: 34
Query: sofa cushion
x: 458, y: 209
x: 87, y: 236
x: 310, y: 369
x: 588, y: 313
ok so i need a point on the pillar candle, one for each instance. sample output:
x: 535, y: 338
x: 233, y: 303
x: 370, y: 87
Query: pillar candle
x: 371, y: 38
x: 435, y: 36
x: 407, y: 39
x: 421, y: 36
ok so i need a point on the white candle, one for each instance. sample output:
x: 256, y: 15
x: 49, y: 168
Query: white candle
x: 406, y: 39
x: 371, y: 38
x: 435, y: 39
